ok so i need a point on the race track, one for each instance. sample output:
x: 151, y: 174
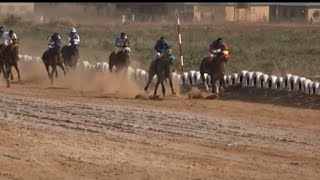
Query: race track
x: 63, y: 132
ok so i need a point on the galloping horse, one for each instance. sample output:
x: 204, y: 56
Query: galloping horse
x: 120, y: 60
x: 161, y: 67
x: 52, y: 57
x: 70, y: 56
x: 10, y: 57
x: 215, y: 68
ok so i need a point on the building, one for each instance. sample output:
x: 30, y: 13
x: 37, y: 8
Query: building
x: 16, y: 8
x: 257, y: 12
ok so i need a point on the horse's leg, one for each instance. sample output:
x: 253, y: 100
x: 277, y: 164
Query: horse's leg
x: 213, y: 84
x: 62, y: 67
x: 3, y: 71
x: 163, y: 89
x: 18, y: 71
x: 8, y: 69
x: 171, y: 85
x: 54, y: 70
x: 47, y: 68
x: 156, y: 87
x: 11, y: 76
x: 149, y: 81
x: 223, y: 87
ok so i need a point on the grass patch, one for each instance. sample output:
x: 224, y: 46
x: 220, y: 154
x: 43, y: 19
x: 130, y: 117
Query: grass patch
x: 270, y: 49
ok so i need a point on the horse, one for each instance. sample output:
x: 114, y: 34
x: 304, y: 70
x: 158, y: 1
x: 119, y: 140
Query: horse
x: 2, y: 68
x: 216, y: 69
x: 10, y: 57
x: 120, y: 60
x: 52, y: 57
x: 161, y: 67
x: 70, y: 56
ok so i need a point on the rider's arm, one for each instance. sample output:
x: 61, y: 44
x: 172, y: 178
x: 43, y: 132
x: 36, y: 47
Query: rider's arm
x: 168, y: 44
x: 128, y: 42
x: 156, y: 46
x: 78, y: 37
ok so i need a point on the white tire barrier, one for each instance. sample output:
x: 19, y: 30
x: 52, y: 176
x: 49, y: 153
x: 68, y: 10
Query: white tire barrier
x: 280, y: 82
x: 185, y: 79
x: 262, y: 81
x: 286, y: 80
x: 305, y: 84
x: 105, y: 66
x: 292, y: 82
x: 241, y: 76
x: 191, y: 77
x: 315, y: 88
x: 197, y: 77
x: 234, y: 79
x: 247, y: 79
x: 298, y: 86
x: 272, y: 82
x: 255, y: 78
x: 85, y: 64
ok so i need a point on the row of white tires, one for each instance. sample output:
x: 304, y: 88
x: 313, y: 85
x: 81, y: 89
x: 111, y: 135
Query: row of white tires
x: 288, y: 82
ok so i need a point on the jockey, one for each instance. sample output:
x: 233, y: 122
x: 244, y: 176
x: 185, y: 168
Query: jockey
x: 54, y: 39
x: 7, y: 38
x: 161, y: 45
x: 122, y: 42
x: 217, y: 47
x: 74, y: 38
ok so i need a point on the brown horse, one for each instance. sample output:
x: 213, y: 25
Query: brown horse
x: 120, y: 60
x: 162, y: 68
x: 215, y: 68
x: 10, y: 58
x: 52, y: 57
x: 70, y: 56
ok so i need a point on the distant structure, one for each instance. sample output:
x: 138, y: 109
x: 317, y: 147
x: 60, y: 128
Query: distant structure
x: 16, y: 8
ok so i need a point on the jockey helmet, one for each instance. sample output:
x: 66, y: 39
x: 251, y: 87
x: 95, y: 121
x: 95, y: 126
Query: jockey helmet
x: 73, y: 30
x: 219, y: 40
x: 122, y: 34
x: 10, y: 33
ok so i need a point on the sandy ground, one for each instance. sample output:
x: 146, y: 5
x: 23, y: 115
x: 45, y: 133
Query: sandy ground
x: 91, y: 126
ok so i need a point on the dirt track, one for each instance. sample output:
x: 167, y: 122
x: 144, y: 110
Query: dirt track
x: 66, y: 133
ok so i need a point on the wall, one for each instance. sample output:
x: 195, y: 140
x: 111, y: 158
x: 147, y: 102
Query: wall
x: 259, y: 14
x: 252, y: 14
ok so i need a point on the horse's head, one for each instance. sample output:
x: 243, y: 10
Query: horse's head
x: 126, y: 50
x: 15, y: 50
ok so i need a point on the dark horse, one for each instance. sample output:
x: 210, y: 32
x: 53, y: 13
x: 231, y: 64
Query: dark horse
x: 215, y: 68
x: 10, y: 57
x: 162, y: 68
x: 70, y: 56
x: 120, y: 60
x: 52, y: 57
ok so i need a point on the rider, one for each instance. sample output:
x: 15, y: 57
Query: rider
x: 54, y: 39
x: 216, y: 45
x: 6, y: 38
x: 161, y: 45
x: 122, y: 42
x: 74, y: 38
